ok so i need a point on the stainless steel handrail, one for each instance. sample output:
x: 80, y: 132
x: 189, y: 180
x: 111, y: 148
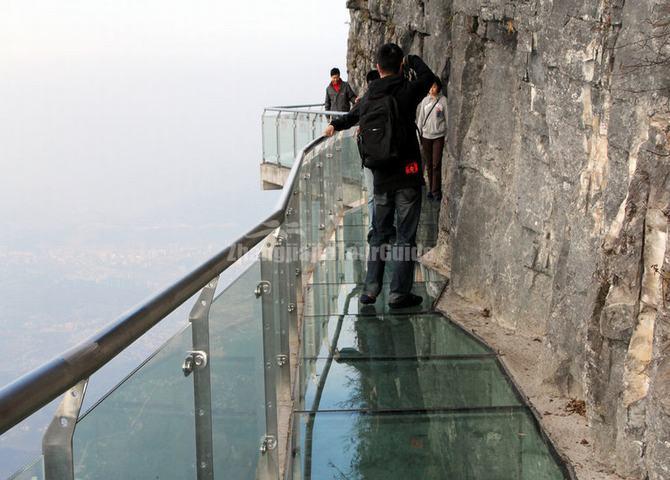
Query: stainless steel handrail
x: 32, y: 391
x: 299, y: 110
x: 283, y: 107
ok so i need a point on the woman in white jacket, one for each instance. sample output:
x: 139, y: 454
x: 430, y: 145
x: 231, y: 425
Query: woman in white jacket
x: 432, y: 123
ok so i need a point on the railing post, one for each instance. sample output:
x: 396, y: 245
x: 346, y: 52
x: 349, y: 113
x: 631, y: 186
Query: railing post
x: 295, y: 134
x: 306, y: 212
x: 294, y: 265
x: 277, y: 127
x: 57, y: 440
x: 197, y: 362
x: 263, y: 133
x: 336, y: 204
x: 268, y: 465
x: 321, y: 185
x: 282, y: 301
x: 314, y: 117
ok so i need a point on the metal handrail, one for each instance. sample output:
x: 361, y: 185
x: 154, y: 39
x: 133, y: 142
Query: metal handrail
x: 300, y: 110
x: 34, y: 390
x: 283, y: 107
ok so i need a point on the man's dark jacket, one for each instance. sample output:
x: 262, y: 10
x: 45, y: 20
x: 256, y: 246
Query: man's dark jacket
x: 408, y: 95
x: 339, y: 101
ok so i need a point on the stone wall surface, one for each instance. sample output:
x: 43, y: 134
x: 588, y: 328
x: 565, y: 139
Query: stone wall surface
x: 557, y: 189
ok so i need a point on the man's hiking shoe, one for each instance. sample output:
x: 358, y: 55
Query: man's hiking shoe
x: 367, y: 299
x: 409, y: 300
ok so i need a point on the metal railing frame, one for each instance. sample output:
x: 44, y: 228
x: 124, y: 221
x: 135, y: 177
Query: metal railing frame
x: 306, y: 105
x: 34, y: 390
x: 302, y: 110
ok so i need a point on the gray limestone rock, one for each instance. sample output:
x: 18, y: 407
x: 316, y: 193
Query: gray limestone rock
x: 556, y: 189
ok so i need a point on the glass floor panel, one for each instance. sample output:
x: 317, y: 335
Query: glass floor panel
x: 481, y: 444
x: 405, y: 384
x: 400, y: 336
x: 342, y: 299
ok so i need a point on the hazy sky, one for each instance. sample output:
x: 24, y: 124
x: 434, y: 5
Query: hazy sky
x: 130, y: 144
x: 121, y: 110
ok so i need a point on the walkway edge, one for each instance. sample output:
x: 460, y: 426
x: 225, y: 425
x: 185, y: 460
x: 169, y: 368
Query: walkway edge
x: 569, y: 433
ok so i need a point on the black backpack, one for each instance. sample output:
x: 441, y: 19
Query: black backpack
x: 380, y: 132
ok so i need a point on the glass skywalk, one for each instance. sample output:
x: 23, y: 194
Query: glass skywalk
x: 280, y: 340
x: 402, y: 395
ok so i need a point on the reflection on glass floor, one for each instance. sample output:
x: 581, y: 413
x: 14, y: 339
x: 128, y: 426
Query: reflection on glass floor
x: 342, y: 299
x: 398, y: 336
x: 402, y: 394
x: 500, y: 444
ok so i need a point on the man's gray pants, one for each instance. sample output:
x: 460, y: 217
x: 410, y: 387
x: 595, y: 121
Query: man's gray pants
x: 405, y: 206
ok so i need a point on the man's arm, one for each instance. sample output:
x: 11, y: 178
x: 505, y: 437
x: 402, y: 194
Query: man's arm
x: 344, y: 122
x: 348, y: 120
x: 424, y: 76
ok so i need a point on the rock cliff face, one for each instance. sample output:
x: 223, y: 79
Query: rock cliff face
x: 557, y: 189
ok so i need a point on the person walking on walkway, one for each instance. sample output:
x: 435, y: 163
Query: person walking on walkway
x: 389, y: 147
x: 432, y: 123
x: 339, y: 94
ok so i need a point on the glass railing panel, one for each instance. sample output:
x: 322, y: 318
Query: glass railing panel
x: 352, y: 170
x: 237, y: 376
x: 327, y: 207
x: 287, y: 146
x: 315, y: 198
x: 304, y: 186
x: 354, y: 225
x: 144, y: 428
x: 348, y: 270
x: 310, y: 202
x: 305, y: 129
x: 331, y: 161
x: 320, y: 124
x: 269, y: 126
x: 286, y: 132
x: 21, y: 444
x: 34, y: 471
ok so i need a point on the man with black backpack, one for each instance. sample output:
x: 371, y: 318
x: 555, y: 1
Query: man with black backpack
x: 388, y: 145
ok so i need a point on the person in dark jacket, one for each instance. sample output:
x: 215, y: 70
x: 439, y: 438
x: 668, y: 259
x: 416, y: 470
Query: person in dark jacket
x: 339, y: 94
x: 397, y: 186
